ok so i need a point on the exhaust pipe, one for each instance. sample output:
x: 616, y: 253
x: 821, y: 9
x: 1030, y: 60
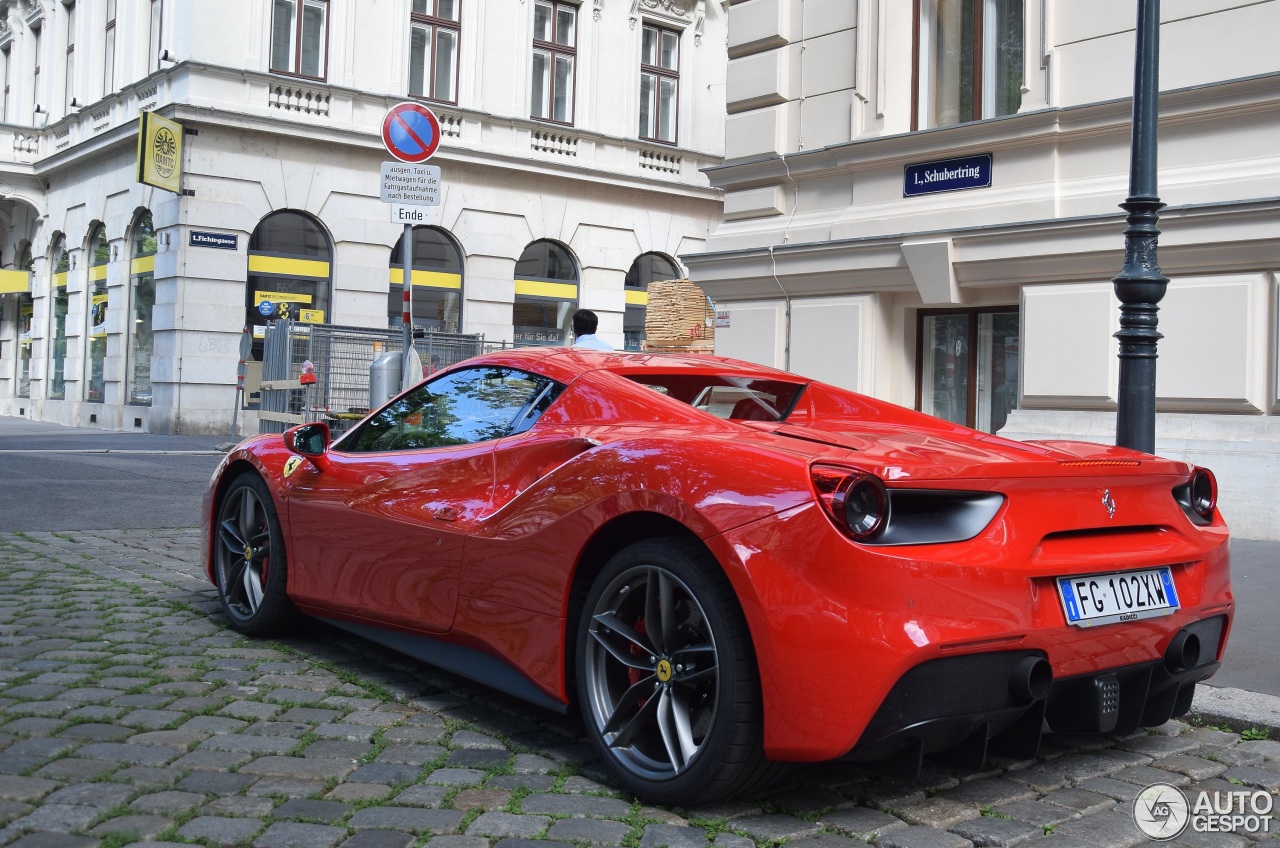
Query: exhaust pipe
x: 1183, y: 652
x: 1030, y: 679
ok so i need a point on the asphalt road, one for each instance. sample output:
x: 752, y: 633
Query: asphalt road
x: 1252, y: 661
x: 62, y: 479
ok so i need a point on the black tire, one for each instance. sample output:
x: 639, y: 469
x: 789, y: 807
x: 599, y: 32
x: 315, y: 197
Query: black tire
x: 249, y: 560
x: 675, y: 713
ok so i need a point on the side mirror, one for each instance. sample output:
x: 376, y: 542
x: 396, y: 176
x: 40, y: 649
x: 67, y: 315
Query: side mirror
x: 309, y: 440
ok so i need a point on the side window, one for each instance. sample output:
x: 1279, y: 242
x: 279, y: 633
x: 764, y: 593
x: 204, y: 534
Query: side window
x: 464, y: 407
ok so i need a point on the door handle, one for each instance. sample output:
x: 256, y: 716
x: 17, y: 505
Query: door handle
x: 446, y: 513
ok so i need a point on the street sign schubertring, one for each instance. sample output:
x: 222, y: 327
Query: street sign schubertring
x: 947, y: 175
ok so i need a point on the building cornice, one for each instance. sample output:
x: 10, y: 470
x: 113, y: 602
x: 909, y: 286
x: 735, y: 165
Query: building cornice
x: 84, y: 139
x: 1220, y: 100
x: 1223, y: 237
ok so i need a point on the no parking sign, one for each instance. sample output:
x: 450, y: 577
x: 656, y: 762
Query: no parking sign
x: 411, y: 132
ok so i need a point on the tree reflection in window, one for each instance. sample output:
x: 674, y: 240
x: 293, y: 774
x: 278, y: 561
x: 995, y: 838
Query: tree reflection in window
x: 464, y: 407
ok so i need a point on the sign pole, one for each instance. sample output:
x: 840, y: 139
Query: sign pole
x: 406, y: 298
x: 411, y: 133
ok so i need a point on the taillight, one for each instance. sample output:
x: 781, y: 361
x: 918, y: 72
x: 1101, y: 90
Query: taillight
x: 1204, y: 492
x: 1198, y: 496
x: 854, y: 500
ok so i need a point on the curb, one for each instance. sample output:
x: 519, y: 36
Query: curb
x: 1238, y: 709
x: 118, y: 451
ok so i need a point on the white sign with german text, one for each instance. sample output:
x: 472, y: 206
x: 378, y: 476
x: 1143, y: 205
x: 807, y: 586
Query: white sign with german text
x: 410, y: 185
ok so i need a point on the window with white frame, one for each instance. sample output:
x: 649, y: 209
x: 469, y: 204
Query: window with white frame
x: 109, y: 50
x: 6, y: 56
x: 153, y: 37
x: 69, y: 92
x: 555, y: 42
x: 36, y: 32
x: 299, y: 37
x: 659, y: 83
x: 970, y: 60
x: 433, y: 50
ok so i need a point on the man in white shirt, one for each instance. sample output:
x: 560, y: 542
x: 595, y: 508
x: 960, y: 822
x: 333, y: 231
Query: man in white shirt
x: 584, y: 331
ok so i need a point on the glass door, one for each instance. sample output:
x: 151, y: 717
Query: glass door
x: 967, y: 366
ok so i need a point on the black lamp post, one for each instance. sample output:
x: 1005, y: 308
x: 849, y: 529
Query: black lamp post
x: 1140, y: 285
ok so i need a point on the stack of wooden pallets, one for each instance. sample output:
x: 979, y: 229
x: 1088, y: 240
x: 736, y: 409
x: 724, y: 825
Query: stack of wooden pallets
x: 679, y: 318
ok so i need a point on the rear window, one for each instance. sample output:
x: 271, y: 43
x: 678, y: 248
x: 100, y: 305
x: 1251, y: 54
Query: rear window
x: 732, y: 398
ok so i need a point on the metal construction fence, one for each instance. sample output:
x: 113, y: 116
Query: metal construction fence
x: 341, y: 357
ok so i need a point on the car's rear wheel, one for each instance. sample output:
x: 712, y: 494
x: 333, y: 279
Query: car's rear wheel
x: 667, y: 677
x: 249, y: 559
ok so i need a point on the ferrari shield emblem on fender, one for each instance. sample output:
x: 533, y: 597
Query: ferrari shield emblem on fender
x: 291, y: 465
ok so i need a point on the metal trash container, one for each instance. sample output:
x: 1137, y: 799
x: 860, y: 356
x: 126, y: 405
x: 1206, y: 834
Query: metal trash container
x: 384, y: 378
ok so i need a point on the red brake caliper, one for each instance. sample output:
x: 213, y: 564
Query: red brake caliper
x: 634, y: 675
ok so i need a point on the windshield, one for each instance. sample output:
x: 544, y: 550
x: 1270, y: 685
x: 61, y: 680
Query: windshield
x: 731, y: 397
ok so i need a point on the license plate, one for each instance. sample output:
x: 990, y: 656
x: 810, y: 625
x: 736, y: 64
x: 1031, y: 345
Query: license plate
x: 1094, y: 599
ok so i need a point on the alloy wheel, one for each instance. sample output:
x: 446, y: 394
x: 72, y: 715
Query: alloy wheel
x: 652, y: 672
x: 244, y: 551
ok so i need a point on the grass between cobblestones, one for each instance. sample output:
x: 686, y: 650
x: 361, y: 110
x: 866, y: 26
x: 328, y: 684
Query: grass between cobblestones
x: 121, y: 686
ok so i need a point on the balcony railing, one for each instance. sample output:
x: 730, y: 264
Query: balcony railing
x: 294, y: 98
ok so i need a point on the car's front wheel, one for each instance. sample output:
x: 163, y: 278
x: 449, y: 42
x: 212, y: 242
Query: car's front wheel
x: 249, y: 559
x: 667, y: 677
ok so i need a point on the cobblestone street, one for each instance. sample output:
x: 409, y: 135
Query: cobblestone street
x: 130, y: 712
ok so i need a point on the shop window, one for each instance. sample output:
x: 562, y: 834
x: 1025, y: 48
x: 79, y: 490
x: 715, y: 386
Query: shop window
x: 142, y: 299
x: 99, y: 257
x: 433, y: 50
x: 26, y: 313
x: 555, y: 51
x: 437, y: 282
x: 647, y: 268
x: 969, y: 60
x: 659, y: 83
x: 289, y: 267
x: 299, y: 37
x: 58, y: 317
x: 546, y: 295
x: 967, y: 366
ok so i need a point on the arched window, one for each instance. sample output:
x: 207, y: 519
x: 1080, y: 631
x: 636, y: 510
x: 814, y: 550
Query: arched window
x: 99, y: 256
x: 61, y: 262
x: 546, y: 295
x: 289, y: 266
x: 647, y: 268
x: 26, y: 311
x: 437, y: 282
x: 142, y: 300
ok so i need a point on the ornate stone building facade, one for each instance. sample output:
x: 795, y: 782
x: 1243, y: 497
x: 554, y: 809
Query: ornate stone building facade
x: 574, y: 138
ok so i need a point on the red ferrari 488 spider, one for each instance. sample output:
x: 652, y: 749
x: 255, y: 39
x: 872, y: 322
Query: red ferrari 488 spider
x: 728, y: 567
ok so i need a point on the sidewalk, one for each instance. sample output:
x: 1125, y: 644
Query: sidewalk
x: 23, y: 434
